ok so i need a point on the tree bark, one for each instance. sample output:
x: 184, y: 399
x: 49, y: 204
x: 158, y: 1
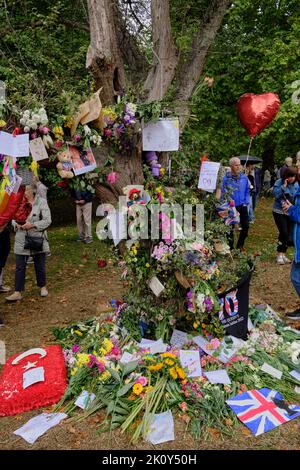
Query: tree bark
x: 164, y: 53
x: 104, y: 58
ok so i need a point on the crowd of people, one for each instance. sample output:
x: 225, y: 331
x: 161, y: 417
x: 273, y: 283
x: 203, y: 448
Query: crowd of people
x: 242, y: 185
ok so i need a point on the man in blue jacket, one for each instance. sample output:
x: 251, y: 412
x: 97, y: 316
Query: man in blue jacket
x: 235, y: 187
x: 293, y: 211
x: 83, y: 201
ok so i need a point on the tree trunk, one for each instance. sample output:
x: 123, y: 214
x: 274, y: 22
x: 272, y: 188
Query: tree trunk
x: 104, y: 59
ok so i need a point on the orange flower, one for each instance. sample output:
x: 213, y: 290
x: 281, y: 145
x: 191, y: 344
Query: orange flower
x: 156, y: 367
x: 167, y: 354
x: 180, y: 372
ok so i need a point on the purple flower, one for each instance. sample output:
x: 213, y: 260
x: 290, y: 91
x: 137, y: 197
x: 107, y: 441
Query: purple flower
x: 75, y: 348
x: 192, y: 258
x: 208, y: 304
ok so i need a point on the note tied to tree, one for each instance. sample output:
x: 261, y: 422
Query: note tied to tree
x: 161, y: 136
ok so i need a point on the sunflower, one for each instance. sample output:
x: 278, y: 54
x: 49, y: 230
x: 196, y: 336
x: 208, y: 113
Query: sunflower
x: 173, y: 373
x: 156, y: 367
x: 180, y: 372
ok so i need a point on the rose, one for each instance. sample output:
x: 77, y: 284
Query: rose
x: 101, y: 263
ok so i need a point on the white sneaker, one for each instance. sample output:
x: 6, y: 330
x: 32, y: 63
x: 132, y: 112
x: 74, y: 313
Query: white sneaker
x: 14, y: 297
x: 44, y: 292
x: 280, y: 259
x: 286, y: 260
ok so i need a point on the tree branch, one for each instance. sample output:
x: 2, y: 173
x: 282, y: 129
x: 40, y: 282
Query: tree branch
x: 164, y: 52
x: 191, y: 70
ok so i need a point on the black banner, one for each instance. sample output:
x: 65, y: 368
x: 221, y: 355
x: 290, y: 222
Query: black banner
x: 234, y: 308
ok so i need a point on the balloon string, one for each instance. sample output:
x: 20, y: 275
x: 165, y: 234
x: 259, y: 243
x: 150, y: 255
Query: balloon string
x: 249, y: 148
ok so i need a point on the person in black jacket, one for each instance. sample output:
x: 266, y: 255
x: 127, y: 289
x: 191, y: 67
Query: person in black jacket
x: 83, y: 201
x: 4, y: 252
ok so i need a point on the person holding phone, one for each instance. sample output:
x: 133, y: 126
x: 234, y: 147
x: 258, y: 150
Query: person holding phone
x: 284, y: 190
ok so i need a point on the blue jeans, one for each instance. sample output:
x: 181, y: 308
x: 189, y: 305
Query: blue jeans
x: 295, y: 276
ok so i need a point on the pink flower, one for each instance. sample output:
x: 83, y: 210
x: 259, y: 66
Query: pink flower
x: 75, y: 348
x: 142, y: 380
x: 108, y: 132
x: 77, y: 137
x: 183, y: 406
x: 112, y: 177
x: 213, y: 344
x: 44, y: 130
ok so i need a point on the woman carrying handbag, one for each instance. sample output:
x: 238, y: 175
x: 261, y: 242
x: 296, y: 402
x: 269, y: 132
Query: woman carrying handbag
x: 31, y: 240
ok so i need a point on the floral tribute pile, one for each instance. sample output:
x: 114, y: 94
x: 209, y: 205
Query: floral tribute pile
x: 132, y: 383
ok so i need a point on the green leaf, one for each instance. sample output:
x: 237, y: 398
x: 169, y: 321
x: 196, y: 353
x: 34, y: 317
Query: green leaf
x: 124, y: 389
x: 129, y: 367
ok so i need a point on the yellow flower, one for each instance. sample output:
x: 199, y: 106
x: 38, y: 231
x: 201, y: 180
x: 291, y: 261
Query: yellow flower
x: 156, y: 367
x: 196, y: 324
x: 2, y: 123
x: 173, y: 373
x: 147, y: 265
x: 58, y: 132
x: 137, y: 389
x: 104, y: 376
x: 73, y: 371
x: 79, y: 333
x: 180, y: 372
x: 169, y: 362
x: 68, y: 122
x: 167, y: 354
x: 82, y: 359
x: 109, y: 112
x: 107, y: 345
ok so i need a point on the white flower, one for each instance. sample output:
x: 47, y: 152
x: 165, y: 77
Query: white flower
x: 23, y: 121
x: 26, y: 113
x: 44, y: 120
x: 42, y: 111
x: 36, y: 118
x: 87, y: 130
x: 34, y: 126
x: 30, y: 123
x: 26, y: 129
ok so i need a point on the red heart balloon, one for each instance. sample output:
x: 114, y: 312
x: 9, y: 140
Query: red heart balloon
x: 102, y: 263
x: 257, y: 111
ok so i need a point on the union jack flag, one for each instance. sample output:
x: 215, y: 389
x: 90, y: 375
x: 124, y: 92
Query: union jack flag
x: 262, y: 410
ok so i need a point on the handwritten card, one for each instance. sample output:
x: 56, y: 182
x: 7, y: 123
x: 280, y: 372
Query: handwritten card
x: 154, y: 346
x: 218, y: 377
x: 38, y: 149
x: 162, y: 135
x: 156, y: 286
x: 33, y: 376
x: 271, y: 371
x: 85, y: 399
x: 126, y: 358
x: 14, y: 184
x: 191, y: 360
x: 178, y: 339
x: 17, y: 146
x: 208, y: 176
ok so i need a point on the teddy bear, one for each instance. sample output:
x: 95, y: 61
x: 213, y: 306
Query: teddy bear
x: 65, y: 165
x: 152, y: 161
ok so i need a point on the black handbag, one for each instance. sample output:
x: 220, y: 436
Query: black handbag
x: 33, y: 243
